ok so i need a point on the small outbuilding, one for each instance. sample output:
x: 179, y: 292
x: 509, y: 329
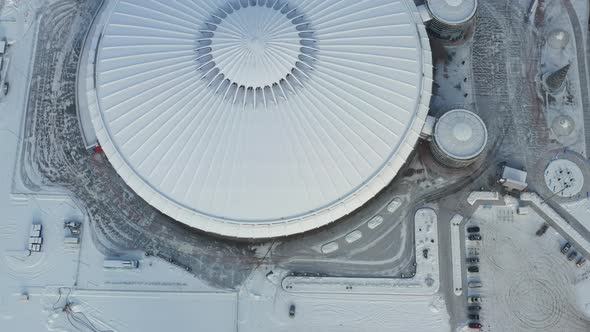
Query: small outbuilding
x: 513, y: 179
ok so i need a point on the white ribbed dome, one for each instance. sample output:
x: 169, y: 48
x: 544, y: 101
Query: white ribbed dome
x: 258, y: 118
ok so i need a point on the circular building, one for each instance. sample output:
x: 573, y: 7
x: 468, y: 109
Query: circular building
x: 558, y: 39
x: 451, y: 18
x: 563, y: 125
x: 564, y: 178
x: 257, y: 118
x: 460, y: 137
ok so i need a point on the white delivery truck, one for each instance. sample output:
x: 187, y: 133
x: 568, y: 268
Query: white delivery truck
x: 120, y: 264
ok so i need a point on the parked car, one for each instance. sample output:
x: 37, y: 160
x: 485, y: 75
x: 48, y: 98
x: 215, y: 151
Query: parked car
x: 472, y: 259
x: 473, y: 229
x: 474, y: 284
x: 474, y: 325
x: 473, y: 308
x: 580, y: 262
x: 292, y: 311
x: 5, y: 88
x: 566, y: 247
x: 473, y: 316
x: 474, y: 299
x: 542, y: 230
x: 473, y: 269
x: 572, y: 255
x: 474, y: 237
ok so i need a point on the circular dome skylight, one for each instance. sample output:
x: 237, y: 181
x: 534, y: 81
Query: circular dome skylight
x: 259, y: 118
x: 256, y: 52
x: 461, y: 134
x: 452, y: 11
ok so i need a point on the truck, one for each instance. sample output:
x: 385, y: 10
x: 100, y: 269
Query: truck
x: 542, y: 230
x: 72, y: 241
x: 120, y: 264
x: 474, y: 284
x: 36, y: 240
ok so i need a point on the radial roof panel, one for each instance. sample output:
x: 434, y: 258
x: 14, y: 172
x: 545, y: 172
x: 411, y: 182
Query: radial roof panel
x: 260, y: 118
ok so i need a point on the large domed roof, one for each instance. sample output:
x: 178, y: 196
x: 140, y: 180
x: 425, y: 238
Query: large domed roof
x: 260, y: 118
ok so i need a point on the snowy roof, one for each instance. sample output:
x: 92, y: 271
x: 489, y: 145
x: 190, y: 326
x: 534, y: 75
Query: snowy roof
x: 564, y: 177
x: 514, y: 174
x: 260, y: 118
x: 452, y: 11
x: 461, y: 134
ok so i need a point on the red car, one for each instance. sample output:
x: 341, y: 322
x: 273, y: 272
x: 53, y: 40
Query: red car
x: 475, y: 326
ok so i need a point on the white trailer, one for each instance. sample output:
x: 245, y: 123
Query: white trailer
x: 35, y: 247
x: 120, y: 264
x: 35, y: 240
x: 72, y: 241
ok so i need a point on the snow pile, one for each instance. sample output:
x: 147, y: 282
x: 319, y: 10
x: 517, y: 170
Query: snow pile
x: 583, y: 296
x: 456, y: 254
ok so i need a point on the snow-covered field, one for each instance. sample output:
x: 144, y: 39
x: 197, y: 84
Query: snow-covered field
x: 528, y: 285
x: 264, y: 306
x: 580, y: 210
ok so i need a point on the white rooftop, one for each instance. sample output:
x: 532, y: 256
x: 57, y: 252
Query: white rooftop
x: 461, y: 134
x: 514, y: 174
x: 452, y: 11
x: 564, y: 178
x: 260, y: 118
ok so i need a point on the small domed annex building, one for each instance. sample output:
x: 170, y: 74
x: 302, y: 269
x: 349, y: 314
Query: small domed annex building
x: 256, y: 118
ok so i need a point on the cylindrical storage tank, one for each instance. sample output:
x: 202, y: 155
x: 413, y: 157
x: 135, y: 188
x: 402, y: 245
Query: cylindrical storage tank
x: 460, y: 137
x: 451, y: 18
x: 558, y: 39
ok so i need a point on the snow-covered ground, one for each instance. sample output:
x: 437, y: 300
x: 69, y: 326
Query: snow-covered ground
x: 425, y: 281
x: 140, y: 311
x: 568, y: 105
x: 528, y: 285
x: 264, y: 306
x: 580, y: 210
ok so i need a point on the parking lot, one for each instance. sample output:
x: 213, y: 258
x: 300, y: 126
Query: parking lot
x: 527, y: 284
